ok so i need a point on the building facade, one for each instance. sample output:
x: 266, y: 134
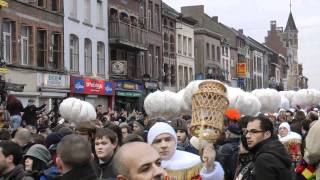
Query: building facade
x: 32, y: 48
x: 86, y: 50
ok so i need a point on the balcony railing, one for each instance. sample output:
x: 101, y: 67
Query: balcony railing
x: 128, y: 34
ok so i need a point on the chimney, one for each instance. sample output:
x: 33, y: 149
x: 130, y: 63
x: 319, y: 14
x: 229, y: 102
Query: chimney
x: 215, y: 18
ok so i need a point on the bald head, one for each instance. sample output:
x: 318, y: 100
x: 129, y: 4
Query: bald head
x: 138, y: 160
x: 22, y: 136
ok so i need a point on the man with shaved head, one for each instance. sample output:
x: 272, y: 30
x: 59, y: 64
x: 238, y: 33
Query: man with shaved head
x: 23, y: 137
x: 138, y: 161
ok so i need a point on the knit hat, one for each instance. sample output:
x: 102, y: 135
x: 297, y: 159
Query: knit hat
x: 179, y: 124
x: 160, y: 128
x: 40, y: 152
x: 285, y: 125
x: 232, y: 114
x: 53, y: 138
x: 234, y: 128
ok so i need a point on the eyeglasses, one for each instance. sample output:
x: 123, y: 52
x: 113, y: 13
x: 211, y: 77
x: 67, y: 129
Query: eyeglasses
x: 252, y: 131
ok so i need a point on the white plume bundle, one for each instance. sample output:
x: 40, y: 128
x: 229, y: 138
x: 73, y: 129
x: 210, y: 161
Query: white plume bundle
x: 183, y: 106
x: 288, y: 94
x: 192, y: 88
x: 316, y: 97
x: 270, y: 99
x: 152, y: 103
x: 75, y: 110
x: 285, y: 104
x: 303, y: 98
x: 248, y: 104
x: 233, y: 95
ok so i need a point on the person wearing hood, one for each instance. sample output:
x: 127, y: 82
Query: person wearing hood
x: 10, y: 157
x: 37, y: 160
x: 180, y: 164
x: 270, y: 158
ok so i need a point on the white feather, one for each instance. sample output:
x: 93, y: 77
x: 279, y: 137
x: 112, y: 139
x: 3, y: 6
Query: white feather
x: 248, y: 104
x: 270, y: 99
x: 233, y: 95
x: 285, y: 104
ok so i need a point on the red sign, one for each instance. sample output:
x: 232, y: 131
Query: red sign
x: 91, y: 86
x: 241, y: 69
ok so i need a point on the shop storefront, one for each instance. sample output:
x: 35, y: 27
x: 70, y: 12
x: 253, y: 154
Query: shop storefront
x: 52, y: 88
x: 94, y: 91
x: 129, y: 95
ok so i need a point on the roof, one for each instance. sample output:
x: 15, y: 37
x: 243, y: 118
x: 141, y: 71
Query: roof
x: 291, y: 24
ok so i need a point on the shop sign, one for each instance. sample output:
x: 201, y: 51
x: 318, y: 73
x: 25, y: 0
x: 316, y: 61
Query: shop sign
x: 128, y: 94
x: 91, y: 86
x: 241, y: 69
x: 119, y: 68
x: 151, y: 85
x: 4, y: 70
x: 128, y: 86
x: 54, y: 80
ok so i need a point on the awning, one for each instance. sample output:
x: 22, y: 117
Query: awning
x: 3, y: 3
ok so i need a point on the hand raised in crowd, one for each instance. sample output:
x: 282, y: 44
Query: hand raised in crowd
x: 208, y: 157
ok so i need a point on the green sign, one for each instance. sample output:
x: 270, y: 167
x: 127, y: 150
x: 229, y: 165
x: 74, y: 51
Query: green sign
x: 128, y: 94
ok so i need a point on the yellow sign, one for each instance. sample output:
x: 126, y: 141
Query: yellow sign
x: 241, y: 69
x: 3, y: 70
x: 3, y: 3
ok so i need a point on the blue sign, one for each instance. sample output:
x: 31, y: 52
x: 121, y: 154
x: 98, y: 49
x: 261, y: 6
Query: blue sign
x: 79, y: 85
x: 108, y: 87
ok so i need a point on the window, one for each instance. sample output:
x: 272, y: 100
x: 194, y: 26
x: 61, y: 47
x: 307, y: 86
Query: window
x: 74, y: 53
x: 41, y: 3
x: 190, y: 47
x: 213, y: 54
x: 74, y: 8
x: 150, y: 59
x: 88, y: 56
x: 190, y: 75
x: 156, y: 69
x: 179, y: 44
x: 7, y: 51
x: 227, y: 51
x: 100, y: 13
x: 24, y: 45
x: 208, y: 51
x: 157, y: 17
x: 218, y: 54
x: 87, y: 11
x: 55, y: 5
x: 259, y: 65
x: 173, y: 75
x: 150, y: 14
x: 55, y: 51
x: 222, y: 48
x: 101, y: 58
x: 186, y: 79
x: 184, y: 45
x: 41, y: 47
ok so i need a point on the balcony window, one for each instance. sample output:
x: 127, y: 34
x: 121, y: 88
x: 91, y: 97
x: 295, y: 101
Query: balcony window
x: 55, y: 51
x: 7, y: 41
x: 24, y: 45
x: 74, y: 53
x: 88, y: 56
x: 101, y: 57
x: 41, y: 47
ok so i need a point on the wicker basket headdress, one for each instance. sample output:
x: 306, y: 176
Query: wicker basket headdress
x: 209, y: 104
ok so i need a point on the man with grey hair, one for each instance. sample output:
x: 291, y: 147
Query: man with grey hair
x: 74, y: 158
x: 138, y: 161
x: 23, y: 137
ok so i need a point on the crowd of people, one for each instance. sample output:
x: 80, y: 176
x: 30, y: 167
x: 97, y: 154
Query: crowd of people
x: 131, y: 145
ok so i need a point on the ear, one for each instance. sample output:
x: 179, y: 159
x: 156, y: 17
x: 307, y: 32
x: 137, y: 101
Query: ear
x: 59, y: 164
x: 121, y: 177
x: 91, y: 157
x: 267, y: 134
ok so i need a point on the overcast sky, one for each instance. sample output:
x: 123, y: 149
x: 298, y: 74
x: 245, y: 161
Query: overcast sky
x: 254, y: 16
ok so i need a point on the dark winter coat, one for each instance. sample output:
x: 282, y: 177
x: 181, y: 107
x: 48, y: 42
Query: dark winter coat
x: 271, y: 161
x: 227, y: 155
x: 104, y: 170
x: 85, y: 172
x: 30, y: 114
x: 16, y: 174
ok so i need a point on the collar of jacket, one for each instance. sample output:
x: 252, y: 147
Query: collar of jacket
x: 258, y: 146
x: 85, y: 172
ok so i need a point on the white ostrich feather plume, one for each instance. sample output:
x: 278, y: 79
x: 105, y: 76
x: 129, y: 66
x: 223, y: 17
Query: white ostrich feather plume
x: 233, y: 95
x: 248, y: 104
x: 285, y: 104
x: 76, y: 110
x: 270, y: 99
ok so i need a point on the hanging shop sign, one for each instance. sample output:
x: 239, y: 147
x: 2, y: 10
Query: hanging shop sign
x: 91, y: 86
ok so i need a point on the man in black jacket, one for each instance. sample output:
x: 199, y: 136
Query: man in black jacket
x: 271, y: 160
x: 30, y: 113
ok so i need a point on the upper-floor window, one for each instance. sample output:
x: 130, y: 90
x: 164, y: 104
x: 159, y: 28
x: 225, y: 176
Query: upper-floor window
x: 184, y: 45
x: 213, y: 54
x: 55, y: 5
x: 24, y: 45
x: 7, y: 41
x: 41, y: 3
x: 88, y: 56
x: 218, y: 53
x: 74, y: 53
x: 179, y: 44
x: 87, y: 11
x: 208, y: 50
x: 157, y: 17
x: 190, y: 46
x: 150, y: 15
x: 101, y: 57
x: 227, y: 51
x: 73, y: 8
x: 41, y: 47
x: 100, y: 13
x: 55, y: 48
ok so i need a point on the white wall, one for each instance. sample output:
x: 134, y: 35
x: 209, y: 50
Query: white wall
x: 184, y: 60
x: 84, y: 31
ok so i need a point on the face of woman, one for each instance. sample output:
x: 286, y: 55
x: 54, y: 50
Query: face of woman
x: 283, y: 131
x: 28, y: 164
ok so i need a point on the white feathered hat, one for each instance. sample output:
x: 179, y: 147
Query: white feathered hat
x: 76, y: 110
